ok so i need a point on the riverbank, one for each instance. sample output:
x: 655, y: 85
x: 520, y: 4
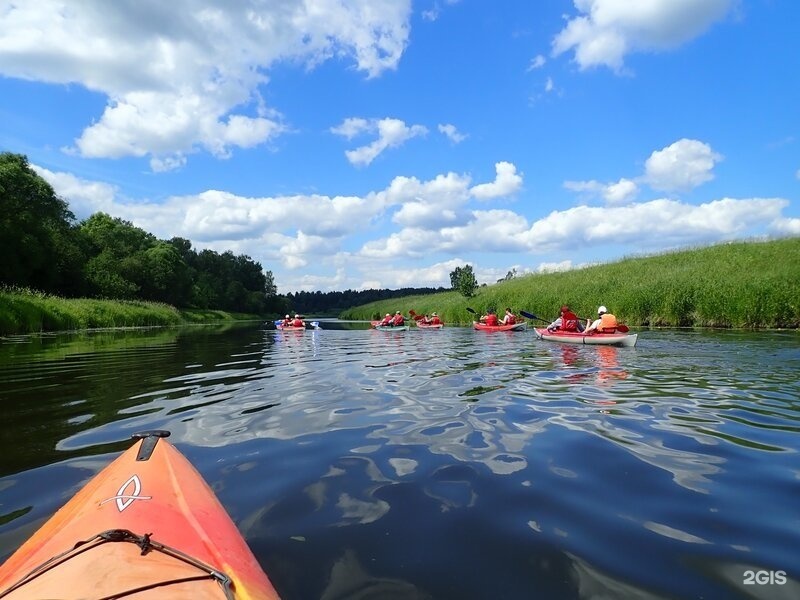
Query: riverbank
x: 26, y: 311
x: 749, y: 285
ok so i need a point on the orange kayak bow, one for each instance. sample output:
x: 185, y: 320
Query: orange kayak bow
x: 147, y: 526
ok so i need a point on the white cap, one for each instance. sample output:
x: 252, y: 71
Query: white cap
x: 288, y: 317
x: 297, y: 316
x: 388, y: 315
x: 397, y: 313
x: 602, y: 310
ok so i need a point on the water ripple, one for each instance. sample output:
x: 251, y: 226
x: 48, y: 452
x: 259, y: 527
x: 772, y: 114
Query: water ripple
x: 551, y: 450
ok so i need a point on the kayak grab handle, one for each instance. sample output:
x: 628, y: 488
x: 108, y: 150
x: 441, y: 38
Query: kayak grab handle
x: 149, y: 441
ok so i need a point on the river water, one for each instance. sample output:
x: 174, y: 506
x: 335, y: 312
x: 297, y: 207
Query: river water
x: 439, y: 464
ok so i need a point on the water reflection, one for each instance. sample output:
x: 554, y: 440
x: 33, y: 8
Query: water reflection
x: 541, y: 447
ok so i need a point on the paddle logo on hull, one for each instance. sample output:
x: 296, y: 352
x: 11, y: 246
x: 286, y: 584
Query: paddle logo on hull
x: 128, y: 492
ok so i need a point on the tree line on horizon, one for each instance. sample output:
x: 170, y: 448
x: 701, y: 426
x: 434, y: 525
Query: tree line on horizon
x: 46, y: 249
x: 333, y: 303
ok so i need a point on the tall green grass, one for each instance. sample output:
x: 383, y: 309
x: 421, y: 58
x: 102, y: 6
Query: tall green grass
x: 738, y: 285
x: 28, y: 311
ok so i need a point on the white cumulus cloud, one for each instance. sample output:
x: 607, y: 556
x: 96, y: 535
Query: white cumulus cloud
x: 681, y: 166
x: 606, y: 31
x: 537, y: 62
x: 452, y: 133
x: 506, y: 182
x: 392, y: 133
x: 183, y: 77
x: 621, y: 192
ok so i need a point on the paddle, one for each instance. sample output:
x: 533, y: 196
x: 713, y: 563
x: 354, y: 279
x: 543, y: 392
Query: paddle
x: 528, y: 315
x: 415, y: 316
x: 470, y: 310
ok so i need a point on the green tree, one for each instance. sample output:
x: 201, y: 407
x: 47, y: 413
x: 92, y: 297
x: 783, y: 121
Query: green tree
x: 118, y: 265
x: 167, y: 275
x: 462, y: 279
x: 41, y: 248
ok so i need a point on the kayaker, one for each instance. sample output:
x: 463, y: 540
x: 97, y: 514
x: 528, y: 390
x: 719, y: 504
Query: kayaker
x: 399, y: 320
x: 435, y: 320
x: 490, y: 318
x: 287, y: 321
x: 510, y: 318
x: 568, y: 321
x: 386, y: 321
x: 298, y: 322
x: 605, y: 322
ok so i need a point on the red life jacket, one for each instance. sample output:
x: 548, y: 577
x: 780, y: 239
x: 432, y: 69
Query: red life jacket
x: 297, y: 323
x: 398, y: 320
x: 492, y: 320
x: 569, y: 321
x: 436, y: 321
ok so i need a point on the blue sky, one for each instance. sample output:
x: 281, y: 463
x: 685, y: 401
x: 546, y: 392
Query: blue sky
x: 351, y: 144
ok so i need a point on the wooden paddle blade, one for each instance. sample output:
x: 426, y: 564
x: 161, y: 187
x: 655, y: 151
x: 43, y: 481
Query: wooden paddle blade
x: 623, y: 328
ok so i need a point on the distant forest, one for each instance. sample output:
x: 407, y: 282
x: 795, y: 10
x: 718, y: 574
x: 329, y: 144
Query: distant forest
x: 46, y: 249
x: 332, y: 303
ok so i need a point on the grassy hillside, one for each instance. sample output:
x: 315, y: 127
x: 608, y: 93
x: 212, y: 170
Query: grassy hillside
x: 26, y: 311
x: 742, y: 285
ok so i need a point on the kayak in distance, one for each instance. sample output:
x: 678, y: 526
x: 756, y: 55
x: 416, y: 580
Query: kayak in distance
x: 515, y: 327
x: 281, y: 327
x: 146, y: 527
x: 377, y: 325
x: 594, y: 339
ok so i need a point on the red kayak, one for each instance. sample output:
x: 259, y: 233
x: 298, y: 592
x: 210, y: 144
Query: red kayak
x: 515, y: 327
x: 592, y: 339
x: 429, y: 325
x: 146, y: 527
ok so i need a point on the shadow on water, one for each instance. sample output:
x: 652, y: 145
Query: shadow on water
x: 438, y: 464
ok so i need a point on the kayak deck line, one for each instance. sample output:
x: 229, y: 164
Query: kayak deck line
x: 146, y: 545
x: 177, y: 540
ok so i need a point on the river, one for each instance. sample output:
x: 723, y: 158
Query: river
x: 439, y: 464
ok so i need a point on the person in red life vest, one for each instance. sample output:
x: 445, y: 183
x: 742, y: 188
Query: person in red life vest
x: 490, y: 318
x: 386, y: 321
x: 510, y: 318
x: 605, y: 322
x: 425, y: 320
x: 287, y: 321
x: 298, y: 322
x: 568, y: 321
x: 435, y: 320
x: 398, y: 319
